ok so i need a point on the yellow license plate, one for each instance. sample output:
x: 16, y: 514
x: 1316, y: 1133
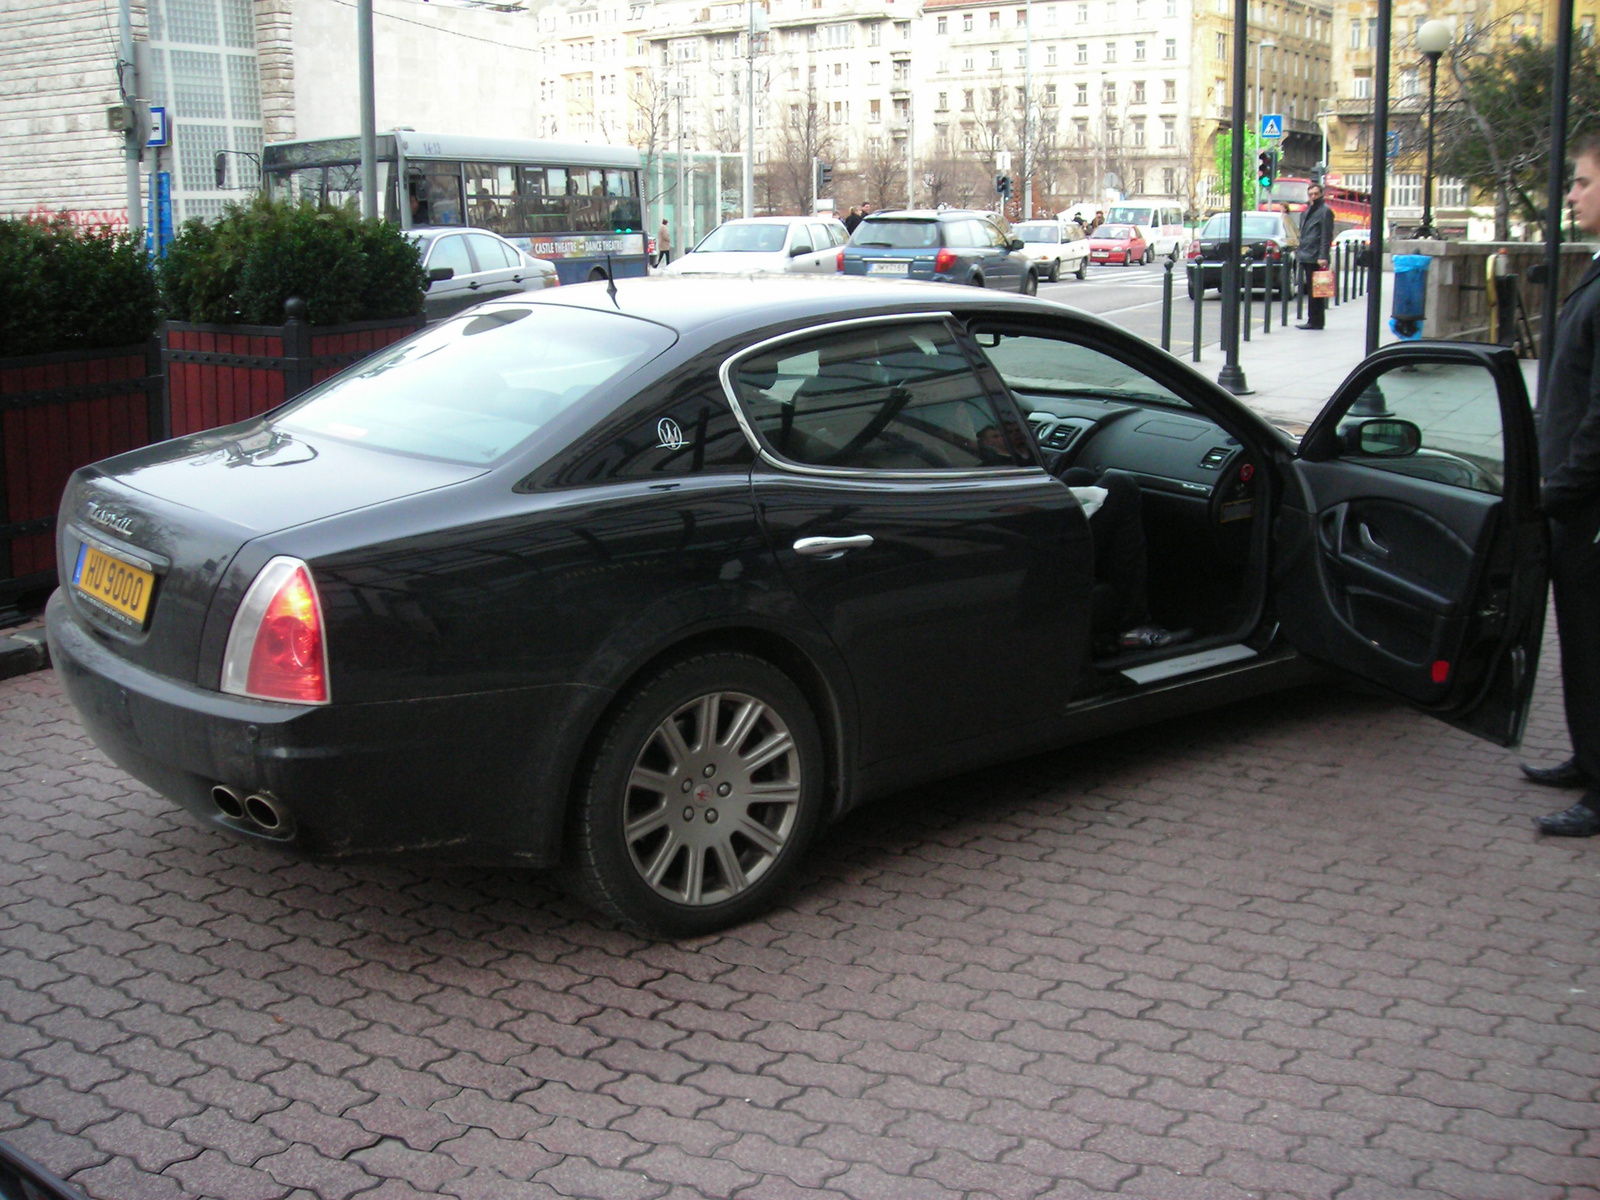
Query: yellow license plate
x: 120, y: 587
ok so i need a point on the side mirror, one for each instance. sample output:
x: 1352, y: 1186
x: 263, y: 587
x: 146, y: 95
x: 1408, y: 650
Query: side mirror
x: 1015, y: 244
x: 440, y: 274
x: 1381, y: 437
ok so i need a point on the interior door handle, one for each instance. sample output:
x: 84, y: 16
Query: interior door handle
x: 831, y: 547
x: 1371, y: 544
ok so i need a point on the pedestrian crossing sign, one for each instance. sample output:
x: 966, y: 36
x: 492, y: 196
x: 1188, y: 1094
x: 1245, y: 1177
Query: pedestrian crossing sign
x: 1272, y: 125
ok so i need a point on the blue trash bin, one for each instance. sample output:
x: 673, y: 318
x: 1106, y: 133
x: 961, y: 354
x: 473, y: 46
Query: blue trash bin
x: 1410, y: 295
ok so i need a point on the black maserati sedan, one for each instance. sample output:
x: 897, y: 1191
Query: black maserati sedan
x: 649, y: 583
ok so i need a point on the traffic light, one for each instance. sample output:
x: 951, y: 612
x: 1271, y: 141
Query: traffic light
x: 824, y: 177
x: 1267, y: 169
x: 1002, y: 185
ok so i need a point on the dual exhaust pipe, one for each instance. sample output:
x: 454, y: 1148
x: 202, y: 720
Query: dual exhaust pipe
x: 259, y: 811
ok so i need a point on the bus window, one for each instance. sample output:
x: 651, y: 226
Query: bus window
x: 434, y: 191
x: 492, y: 196
x: 625, y: 205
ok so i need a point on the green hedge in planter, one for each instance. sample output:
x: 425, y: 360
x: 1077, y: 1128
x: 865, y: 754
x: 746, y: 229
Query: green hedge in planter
x: 240, y: 270
x: 68, y: 288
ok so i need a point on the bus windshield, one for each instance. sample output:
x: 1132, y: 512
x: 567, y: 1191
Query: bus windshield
x: 1129, y: 214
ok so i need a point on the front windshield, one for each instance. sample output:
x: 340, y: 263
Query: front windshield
x: 1123, y: 215
x: 897, y: 235
x: 1114, y: 233
x: 743, y: 239
x: 476, y: 387
x: 1255, y: 225
x: 1036, y: 231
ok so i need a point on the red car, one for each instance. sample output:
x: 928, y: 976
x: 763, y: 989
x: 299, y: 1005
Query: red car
x: 1119, y: 243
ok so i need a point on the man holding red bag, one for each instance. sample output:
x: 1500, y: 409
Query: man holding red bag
x: 1311, y: 255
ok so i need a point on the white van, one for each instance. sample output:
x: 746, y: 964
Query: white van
x: 1160, y: 223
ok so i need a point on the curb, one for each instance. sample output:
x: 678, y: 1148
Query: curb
x: 23, y: 652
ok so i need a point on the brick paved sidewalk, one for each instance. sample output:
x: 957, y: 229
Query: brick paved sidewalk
x: 1304, y: 947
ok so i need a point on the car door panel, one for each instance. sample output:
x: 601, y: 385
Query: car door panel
x: 1433, y: 591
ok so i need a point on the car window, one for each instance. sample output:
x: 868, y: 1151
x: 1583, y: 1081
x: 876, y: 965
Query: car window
x: 477, y: 386
x: 1114, y: 233
x: 897, y: 235
x: 491, y: 253
x: 992, y: 235
x: 838, y: 235
x: 1255, y: 225
x: 800, y: 240
x: 760, y: 238
x: 1030, y: 363
x: 819, y: 237
x: 899, y: 396
x: 450, y: 251
x: 1456, y: 406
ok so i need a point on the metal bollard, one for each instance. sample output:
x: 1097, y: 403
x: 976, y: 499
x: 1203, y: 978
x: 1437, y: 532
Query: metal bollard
x: 1199, y: 311
x: 1266, y: 295
x: 1248, y: 275
x: 1286, y: 282
x: 1166, y: 303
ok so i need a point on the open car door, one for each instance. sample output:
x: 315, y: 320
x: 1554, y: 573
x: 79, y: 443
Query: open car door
x: 1410, y: 550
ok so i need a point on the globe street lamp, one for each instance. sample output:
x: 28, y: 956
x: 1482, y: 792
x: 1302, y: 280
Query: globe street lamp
x: 1433, y: 39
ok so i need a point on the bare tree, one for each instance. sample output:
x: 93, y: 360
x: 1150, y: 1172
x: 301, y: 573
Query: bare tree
x: 883, y: 173
x: 651, y: 103
x: 804, y: 136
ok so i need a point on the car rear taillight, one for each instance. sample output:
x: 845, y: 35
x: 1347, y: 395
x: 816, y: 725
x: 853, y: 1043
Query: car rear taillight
x: 944, y: 262
x: 839, y: 262
x: 1194, y: 248
x: 276, y: 649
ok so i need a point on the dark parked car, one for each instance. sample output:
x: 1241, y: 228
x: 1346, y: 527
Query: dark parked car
x: 1266, y: 237
x: 653, y: 585
x: 948, y: 246
x: 468, y: 266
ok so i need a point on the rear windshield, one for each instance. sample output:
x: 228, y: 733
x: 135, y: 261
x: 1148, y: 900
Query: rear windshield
x: 743, y: 239
x: 898, y: 235
x: 1263, y: 225
x: 473, y: 388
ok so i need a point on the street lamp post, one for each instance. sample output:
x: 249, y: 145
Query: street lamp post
x: 1433, y: 39
x: 1267, y: 44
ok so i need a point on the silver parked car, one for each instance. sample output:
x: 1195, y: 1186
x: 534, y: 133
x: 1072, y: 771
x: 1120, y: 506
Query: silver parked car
x: 808, y: 245
x: 468, y: 266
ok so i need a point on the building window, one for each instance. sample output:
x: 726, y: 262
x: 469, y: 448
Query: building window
x: 1405, y: 191
x: 944, y: 101
x: 1172, y: 8
x: 1109, y: 93
x: 1220, y: 48
x: 966, y: 99
x: 994, y: 20
x: 1083, y: 94
x: 1138, y: 138
x: 1361, y: 87
x: 1083, y: 14
x: 1169, y: 91
x: 1169, y: 181
x: 1169, y: 132
x: 994, y: 100
x: 1022, y: 16
x: 1081, y: 128
x: 1111, y: 52
x: 1169, y: 48
x: 966, y: 62
x: 1050, y: 95
x: 1355, y: 34
x: 1083, y: 52
x: 994, y: 60
x: 944, y: 24
x: 1409, y: 84
x: 966, y: 22
x: 1050, y: 55
x: 1452, y: 192
x: 1138, y: 92
x: 874, y: 111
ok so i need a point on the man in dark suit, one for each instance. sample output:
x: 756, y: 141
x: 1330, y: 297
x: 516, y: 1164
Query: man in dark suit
x: 1316, y: 244
x: 1569, y: 454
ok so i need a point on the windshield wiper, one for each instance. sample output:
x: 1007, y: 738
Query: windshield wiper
x: 883, y: 245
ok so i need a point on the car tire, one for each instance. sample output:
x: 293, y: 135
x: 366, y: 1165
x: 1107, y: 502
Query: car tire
x: 1055, y: 271
x: 1030, y: 284
x: 654, y: 857
x: 1083, y: 268
x: 1194, y: 292
x: 1149, y: 256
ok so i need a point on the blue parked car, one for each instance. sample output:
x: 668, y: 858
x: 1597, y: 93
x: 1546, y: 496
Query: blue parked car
x: 949, y: 246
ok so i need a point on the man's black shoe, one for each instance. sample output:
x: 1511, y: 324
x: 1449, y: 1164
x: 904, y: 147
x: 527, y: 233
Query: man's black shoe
x: 1308, y: 327
x: 1578, y: 821
x: 1565, y: 775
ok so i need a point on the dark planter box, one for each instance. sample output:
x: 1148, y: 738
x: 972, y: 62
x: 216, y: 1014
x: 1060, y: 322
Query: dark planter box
x: 219, y: 374
x: 58, y: 412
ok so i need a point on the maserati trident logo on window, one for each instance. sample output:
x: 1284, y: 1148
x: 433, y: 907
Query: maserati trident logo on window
x: 670, y: 435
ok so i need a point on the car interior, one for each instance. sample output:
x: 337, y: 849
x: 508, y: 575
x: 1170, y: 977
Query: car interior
x: 1198, y: 482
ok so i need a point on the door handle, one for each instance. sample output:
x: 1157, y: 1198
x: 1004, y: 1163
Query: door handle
x: 474, y: 285
x: 1371, y: 544
x: 831, y: 547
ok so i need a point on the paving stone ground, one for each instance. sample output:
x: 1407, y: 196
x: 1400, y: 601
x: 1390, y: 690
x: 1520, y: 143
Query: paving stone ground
x: 1305, y: 947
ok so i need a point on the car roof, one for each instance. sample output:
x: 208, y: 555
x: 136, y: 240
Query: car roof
x: 778, y: 220
x: 926, y: 214
x: 715, y: 306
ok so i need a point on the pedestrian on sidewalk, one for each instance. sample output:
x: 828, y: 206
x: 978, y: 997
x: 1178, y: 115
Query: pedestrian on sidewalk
x: 1569, y: 459
x: 853, y: 219
x: 663, y: 244
x: 1311, y: 255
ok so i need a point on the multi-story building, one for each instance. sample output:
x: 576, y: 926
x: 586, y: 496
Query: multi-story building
x: 1484, y: 24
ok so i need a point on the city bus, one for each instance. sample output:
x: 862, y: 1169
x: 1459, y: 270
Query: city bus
x: 576, y: 205
x: 1351, y: 207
